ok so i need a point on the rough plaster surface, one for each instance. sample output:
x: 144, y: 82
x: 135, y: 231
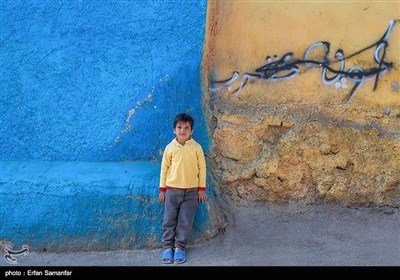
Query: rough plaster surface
x: 86, y: 88
x: 300, y: 138
x: 81, y: 206
x: 94, y: 80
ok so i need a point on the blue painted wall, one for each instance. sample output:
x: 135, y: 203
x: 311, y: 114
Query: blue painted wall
x: 78, y: 206
x: 98, y: 80
x: 89, y: 90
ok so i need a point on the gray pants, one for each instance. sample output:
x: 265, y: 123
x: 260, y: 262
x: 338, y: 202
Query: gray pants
x: 179, y: 212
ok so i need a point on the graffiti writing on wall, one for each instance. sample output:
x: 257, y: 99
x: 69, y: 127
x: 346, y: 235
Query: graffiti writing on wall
x: 286, y: 67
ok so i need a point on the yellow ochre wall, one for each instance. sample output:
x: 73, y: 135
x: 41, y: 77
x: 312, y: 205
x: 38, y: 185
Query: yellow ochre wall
x: 298, y: 138
x: 246, y: 32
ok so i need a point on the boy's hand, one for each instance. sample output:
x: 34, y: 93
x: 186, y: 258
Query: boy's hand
x: 161, y: 197
x: 202, y: 196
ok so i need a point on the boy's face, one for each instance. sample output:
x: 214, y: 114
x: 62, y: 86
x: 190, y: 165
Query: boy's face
x: 183, y: 130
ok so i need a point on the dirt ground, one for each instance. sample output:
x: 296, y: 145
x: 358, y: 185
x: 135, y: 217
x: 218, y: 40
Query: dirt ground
x: 268, y: 235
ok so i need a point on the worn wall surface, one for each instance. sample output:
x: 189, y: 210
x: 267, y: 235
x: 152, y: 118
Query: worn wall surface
x: 80, y: 206
x: 304, y: 100
x: 90, y: 80
x: 89, y: 90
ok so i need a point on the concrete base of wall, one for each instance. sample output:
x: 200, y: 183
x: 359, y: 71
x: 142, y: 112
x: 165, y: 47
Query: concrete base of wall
x: 79, y: 206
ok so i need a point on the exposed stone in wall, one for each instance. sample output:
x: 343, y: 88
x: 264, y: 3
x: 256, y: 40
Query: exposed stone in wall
x: 299, y: 139
x: 279, y: 159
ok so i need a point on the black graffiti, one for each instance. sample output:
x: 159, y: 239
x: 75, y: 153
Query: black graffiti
x: 8, y: 257
x: 286, y: 67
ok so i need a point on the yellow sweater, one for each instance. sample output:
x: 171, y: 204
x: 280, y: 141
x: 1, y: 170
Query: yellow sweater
x: 183, y: 167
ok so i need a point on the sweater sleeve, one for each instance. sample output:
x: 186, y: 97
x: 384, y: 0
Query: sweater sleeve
x: 201, y: 161
x: 165, y: 163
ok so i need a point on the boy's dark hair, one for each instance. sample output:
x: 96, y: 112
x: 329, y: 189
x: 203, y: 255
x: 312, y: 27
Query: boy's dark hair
x: 183, y: 118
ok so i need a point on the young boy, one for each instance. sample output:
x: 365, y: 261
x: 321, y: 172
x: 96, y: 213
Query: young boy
x: 182, y: 186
